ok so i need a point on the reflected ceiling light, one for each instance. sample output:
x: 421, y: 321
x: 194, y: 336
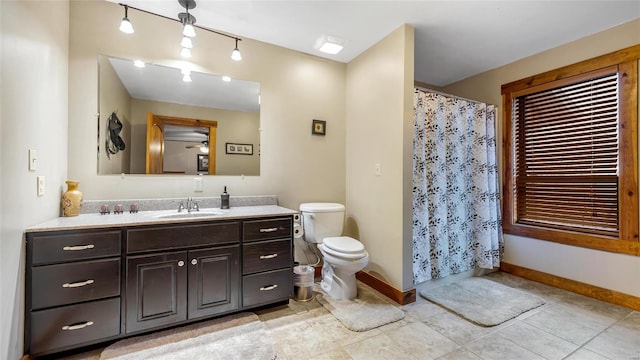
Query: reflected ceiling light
x: 235, y: 54
x: 226, y: 78
x: 139, y: 63
x: 125, y: 24
x: 185, y: 53
x: 188, y: 28
x: 330, y: 44
x: 186, y: 78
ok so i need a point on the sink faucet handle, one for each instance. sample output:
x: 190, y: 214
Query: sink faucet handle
x: 196, y: 207
x: 181, y: 206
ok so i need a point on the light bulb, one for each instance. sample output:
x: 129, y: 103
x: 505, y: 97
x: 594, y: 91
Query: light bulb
x: 235, y: 55
x: 139, y: 63
x: 125, y: 26
x: 204, y: 149
x: 186, y: 53
x: 186, y: 78
x: 189, y: 31
x: 226, y: 78
x: 186, y: 42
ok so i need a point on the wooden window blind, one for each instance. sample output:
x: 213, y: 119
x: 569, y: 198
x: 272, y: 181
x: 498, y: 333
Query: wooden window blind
x: 570, y: 154
x: 566, y: 154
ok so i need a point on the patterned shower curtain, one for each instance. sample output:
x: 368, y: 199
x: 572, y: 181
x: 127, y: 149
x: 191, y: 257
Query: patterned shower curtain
x: 456, y: 203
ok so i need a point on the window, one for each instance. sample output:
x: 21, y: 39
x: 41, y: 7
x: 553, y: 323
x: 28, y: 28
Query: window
x: 570, y: 154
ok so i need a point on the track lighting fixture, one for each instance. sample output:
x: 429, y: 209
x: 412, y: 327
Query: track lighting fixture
x: 235, y: 54
x: 188, y: 28
x: 125, y: 24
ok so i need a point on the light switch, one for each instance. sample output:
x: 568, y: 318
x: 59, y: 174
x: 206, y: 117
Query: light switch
x: 197, y: 184
x: 40, y: 185
x: 33, y: 160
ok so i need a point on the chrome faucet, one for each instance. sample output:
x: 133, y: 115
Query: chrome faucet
x: 191, y: 205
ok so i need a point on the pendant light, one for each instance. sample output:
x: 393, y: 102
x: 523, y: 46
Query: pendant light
x: 235, y: 54
x: 125, y: 24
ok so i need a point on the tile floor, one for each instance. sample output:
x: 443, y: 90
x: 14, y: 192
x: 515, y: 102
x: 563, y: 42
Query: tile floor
x: 568, y: 326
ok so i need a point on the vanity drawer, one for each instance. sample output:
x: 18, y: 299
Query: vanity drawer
x: 62, y: 284
x: 70, y: 246
x: 73, y: 325
x: 266, y: 287
x: 182, y: 236
x: 267, y: 229
x: 266, y: 255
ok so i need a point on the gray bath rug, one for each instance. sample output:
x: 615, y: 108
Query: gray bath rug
x: 483, y: 301
x: 239, y: 336
x: 368, y: 311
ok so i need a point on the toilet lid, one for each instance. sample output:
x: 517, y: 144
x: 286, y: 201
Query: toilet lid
x: 344, y: 244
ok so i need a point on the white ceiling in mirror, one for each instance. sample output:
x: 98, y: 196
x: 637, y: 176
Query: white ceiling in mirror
x: 163, y: 83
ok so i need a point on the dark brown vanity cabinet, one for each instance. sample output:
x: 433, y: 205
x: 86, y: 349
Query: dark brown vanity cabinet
x: 72, y: 289
x: 85, y: 287
x: 167, y: 287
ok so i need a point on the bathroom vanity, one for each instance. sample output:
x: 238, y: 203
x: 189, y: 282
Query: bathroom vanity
x: 93, y: 278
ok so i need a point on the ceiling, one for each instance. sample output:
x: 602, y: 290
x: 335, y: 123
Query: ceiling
x: 453, y: 39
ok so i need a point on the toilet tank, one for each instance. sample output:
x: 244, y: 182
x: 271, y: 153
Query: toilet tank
x: 321, y: 220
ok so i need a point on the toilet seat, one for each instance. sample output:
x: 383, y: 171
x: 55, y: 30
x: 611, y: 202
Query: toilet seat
x: 344, y: 247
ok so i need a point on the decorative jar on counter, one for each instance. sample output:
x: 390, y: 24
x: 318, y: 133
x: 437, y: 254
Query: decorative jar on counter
x: 71, y: 199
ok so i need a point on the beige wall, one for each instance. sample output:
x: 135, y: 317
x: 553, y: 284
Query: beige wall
x: 295, y: 88
x: 608, y: 270
x: 113, y: 97
x: 34, y: 48
x: 233, y: 126
x: 379, y: 107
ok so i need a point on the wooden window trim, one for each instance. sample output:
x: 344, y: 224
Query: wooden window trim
x: 627, y: 242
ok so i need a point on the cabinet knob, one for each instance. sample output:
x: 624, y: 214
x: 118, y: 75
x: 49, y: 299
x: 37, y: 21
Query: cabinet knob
x: 180, y: 263
x: 194, y: 261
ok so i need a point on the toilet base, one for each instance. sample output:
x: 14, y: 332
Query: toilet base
x: 338, y: 284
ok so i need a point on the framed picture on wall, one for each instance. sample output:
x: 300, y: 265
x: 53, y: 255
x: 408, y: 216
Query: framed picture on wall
x: 203, y: 163
x: 239, y: 149
x: 318, y: 127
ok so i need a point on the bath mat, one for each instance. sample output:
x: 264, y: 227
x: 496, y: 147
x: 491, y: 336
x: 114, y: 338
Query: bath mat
x: 368, y: 311
x: 483, y: 301
x: 238, y: 336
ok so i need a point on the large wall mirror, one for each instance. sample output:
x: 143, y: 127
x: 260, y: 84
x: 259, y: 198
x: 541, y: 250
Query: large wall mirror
x: 156, y: 119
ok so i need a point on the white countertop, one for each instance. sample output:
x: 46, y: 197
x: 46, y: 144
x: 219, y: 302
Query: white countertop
x: 90, y: 221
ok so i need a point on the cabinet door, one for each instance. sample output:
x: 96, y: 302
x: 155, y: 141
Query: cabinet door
x: 214, y: 281
x: 156, y: 290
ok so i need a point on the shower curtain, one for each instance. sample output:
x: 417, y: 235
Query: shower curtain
x: 456, y: 207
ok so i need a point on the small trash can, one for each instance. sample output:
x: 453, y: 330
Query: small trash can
x: 303, y: 282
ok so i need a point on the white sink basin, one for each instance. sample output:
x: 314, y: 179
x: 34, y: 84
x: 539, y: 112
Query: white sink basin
x: 190, y: 215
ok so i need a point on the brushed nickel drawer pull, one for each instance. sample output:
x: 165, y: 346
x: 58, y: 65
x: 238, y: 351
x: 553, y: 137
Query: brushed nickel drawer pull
x: 268, y: 288
x: 268, y: 230
x: 266, y: 257
x: 77, y: 326
x: 78, y: 284
x: 78, y: 247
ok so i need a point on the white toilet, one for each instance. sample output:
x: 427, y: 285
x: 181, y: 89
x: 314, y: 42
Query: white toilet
x: 342, y: 256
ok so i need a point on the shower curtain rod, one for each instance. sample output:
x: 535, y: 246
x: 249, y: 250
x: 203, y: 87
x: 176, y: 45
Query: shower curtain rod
x: 449, y: 95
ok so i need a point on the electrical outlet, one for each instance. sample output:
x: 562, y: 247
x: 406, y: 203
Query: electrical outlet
x: 40, y: 185
x: 197, y: 184
x: 378, y: 169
